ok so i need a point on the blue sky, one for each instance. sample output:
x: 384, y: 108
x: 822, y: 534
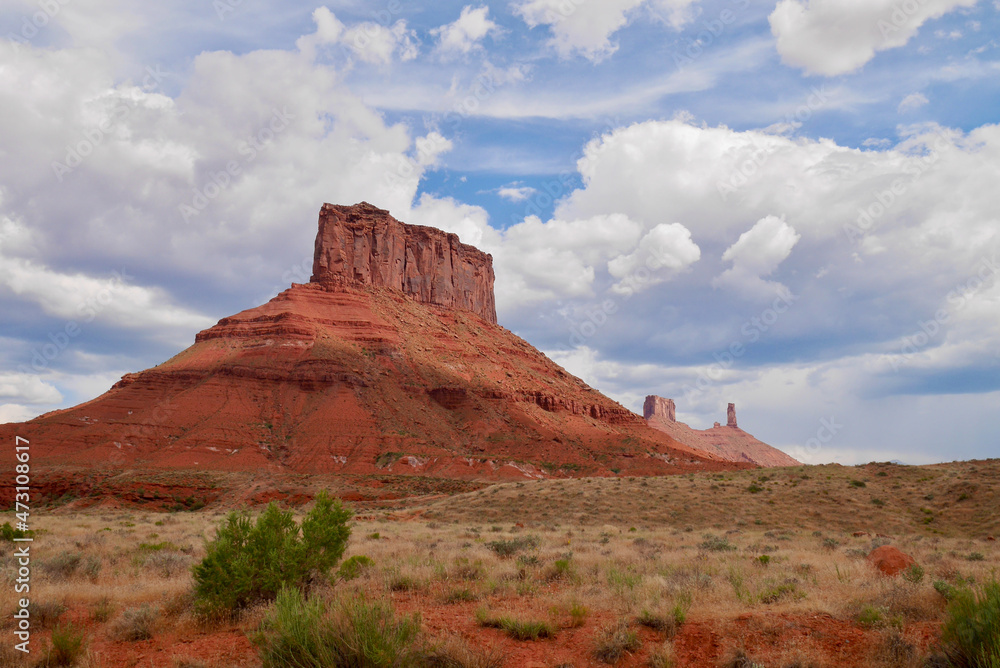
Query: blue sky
x: 791, y: 205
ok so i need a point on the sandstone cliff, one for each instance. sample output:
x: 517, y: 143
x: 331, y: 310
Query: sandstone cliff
x: 389, y: 362
x: 729, y: 442
x: 363, y: 245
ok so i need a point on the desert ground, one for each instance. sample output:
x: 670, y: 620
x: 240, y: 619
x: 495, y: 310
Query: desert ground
x: 759, y: 568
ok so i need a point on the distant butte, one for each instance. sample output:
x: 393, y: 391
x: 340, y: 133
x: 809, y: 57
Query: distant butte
x: 729, y: 442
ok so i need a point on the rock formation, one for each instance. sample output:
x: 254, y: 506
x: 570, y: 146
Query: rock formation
x: 363, y: 245
x: 659, y: 407
x: 729, y: 442
x: 388, y: 362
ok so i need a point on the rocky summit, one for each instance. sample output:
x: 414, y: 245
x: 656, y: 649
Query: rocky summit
x: 728, y: 442
x: 389, y: 361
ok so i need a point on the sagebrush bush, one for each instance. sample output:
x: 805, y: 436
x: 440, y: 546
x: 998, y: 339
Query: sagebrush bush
x: 68, y: 645
x: 508, y: 548
x: 136, y: 624
x: 301, y: 632
x: 971, y: 634
x: 614, y: 642
x: 249, y: 562
x: 353, y: 567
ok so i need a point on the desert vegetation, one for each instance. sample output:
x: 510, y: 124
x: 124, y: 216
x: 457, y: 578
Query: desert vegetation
x: 558, y: 573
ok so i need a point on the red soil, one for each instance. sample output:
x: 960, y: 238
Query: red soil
x: 360, y: 381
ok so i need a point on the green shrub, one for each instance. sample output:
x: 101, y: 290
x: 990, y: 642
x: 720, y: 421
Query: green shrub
x: 681, y: 608
x: 136, y: 624
x: 754, y: 488
x: 764, y: 560
x: 614, y: 642
x: 858, y: 483
x: 508, y: 548
x: 871, y: 615
x: 970, y: 637
x: 976, y: 556
x: 578, y: 614
x: 717, y: 544
x: 45, y: 613
x: 62, y: 565
x: 68, y: 646
x: 302, y: 633
x: 353, y: 567
x: 914, y: 574
x: 665, y: 624
x: 9, y: 533
x: 249, y: 561
x: 516, y: 628
x: 463, y: 595
x: 103, y: 610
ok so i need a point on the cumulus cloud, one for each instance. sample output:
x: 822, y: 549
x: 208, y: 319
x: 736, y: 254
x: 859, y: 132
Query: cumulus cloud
x: 757, y: 253
x: 585, y: 28
x: 665, y: 250
x: 911, y: 102
x: 832, y: 37
x: 184, y: 194
x: 368, y: 41
x: 466, y: 32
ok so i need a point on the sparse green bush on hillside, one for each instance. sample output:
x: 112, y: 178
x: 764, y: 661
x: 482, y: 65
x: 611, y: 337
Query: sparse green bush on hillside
x: 971, y: 635
x: 249, y: 561
x: 508, y: 548
x: 355, y: 566
x: 302, y: 633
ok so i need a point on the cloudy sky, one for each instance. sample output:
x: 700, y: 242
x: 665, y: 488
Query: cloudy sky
x: 794, y: 206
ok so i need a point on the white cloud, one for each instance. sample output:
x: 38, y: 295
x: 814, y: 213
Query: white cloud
x: 911, y: 102
x: 15, y: 413
x: 431, y: 147
x: 467, y: 31
x: 27, y: 389
x: 368, y: 41
x: 832, y: 37
x: 585, y: 27
x: 516, y: 192
x: 665, y: 250
x: 757, y: 253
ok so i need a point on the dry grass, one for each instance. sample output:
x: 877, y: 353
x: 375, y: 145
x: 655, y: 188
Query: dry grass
x: 578, y: 571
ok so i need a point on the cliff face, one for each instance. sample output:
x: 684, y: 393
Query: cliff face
x: 364, y: 245
x: 655, y: 406
x: 728, y: 442
x: 388, y: 362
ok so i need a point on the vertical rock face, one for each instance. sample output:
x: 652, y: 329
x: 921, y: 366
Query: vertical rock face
x: 364, y: 245
x: 660, y: 407
x: 731, y: 415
